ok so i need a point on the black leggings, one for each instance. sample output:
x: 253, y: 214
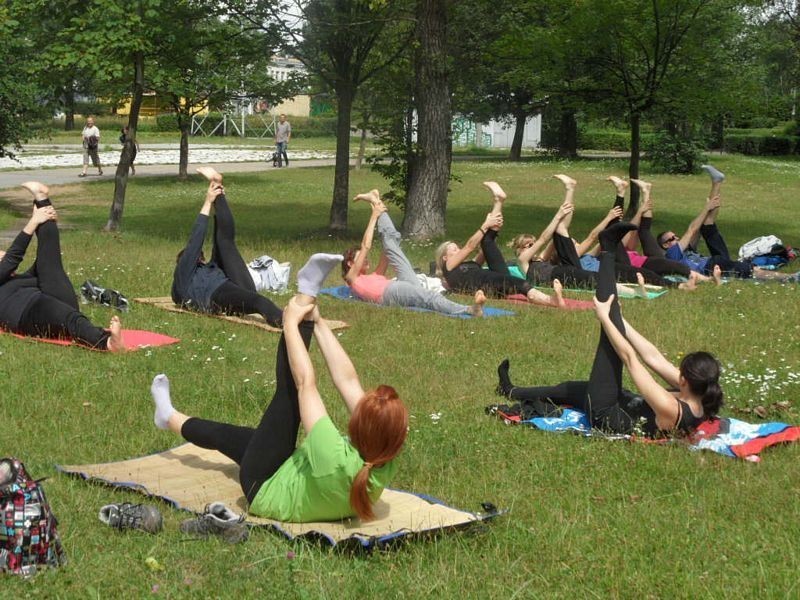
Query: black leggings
x: 55, y: 312
x: 237, y: 296
x: 497, y: 282
x: 570, y: 272
x: 259, y: 452
x: 600, y: 396
x: 656, y: 261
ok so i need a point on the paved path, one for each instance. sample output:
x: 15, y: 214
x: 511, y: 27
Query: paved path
x: 58, y: 176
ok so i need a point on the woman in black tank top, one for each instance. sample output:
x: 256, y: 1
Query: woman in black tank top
x: 607, y: 405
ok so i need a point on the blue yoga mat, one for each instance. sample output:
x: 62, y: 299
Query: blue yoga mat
x: 342, y: 292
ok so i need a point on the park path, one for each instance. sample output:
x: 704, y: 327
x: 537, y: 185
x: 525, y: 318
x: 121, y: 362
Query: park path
x: 65, y: 175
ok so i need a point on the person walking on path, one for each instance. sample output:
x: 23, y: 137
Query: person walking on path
x: 91, y: 142
x: 283, y: 133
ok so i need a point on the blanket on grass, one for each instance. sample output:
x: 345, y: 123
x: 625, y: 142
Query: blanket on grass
x: 166, y: 303
x: 653, y: 291
x: 727, y: 436
x: 189, y: 477
x: 134, y: 339
x: 343, y: 292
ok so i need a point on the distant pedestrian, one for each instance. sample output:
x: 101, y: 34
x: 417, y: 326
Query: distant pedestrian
x: 123, y: 137
x: 283, y: 133
x: 91, y: 143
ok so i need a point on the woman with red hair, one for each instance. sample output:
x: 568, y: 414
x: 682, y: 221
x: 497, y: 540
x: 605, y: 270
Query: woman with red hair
x: 328, y: 477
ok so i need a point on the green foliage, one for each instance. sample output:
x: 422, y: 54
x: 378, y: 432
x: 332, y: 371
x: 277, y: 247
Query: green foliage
x: 608, y: 139
x: 23, y: 95
x: 675, y: 154
x: 762, y: 145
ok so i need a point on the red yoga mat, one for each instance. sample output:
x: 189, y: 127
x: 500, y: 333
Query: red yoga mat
x: 134, y: 339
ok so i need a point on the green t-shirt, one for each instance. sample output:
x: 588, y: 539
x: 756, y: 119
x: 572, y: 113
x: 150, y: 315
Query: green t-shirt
x: 314, y: 482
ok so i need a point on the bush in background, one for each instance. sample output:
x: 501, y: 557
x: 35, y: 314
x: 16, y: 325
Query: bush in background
x: 674, y: 154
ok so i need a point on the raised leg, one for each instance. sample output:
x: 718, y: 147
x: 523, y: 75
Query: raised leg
x: 391, y: 239
x: 225, y: 253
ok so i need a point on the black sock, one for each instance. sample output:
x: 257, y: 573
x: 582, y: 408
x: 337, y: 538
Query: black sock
x: 504, y: 385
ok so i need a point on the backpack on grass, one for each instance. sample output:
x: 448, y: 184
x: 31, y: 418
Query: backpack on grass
x: 28, y: 536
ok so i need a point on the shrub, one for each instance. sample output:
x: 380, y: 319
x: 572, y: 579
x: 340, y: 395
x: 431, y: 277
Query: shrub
x: 674, y: 154
x: 609, y: 139
x: 762, y: 145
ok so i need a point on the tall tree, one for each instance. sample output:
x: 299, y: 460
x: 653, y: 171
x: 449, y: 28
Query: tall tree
x: 429, y: 174
x: 114, y: 40
x: 335, y: 41
x: 635, y: 48
x: 208, y: 61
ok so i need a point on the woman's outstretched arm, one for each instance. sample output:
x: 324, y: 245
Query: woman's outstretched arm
x: 651, y: 355
x: 540, y: 245
x: 312, y: 409
x: 339, y: 364
x: 591, y: 239
x: 366, y: 243
x: 491, y: 220
x: 664, y: 405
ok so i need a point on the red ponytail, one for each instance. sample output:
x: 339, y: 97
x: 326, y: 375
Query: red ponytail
x: 378, y: 430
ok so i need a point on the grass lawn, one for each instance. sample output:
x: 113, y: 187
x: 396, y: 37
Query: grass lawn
x: 588, y: 518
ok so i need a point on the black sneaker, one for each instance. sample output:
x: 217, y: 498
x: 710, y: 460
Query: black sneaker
x: 217, y: 520
x: 144, y: 517
x: 92, y: 292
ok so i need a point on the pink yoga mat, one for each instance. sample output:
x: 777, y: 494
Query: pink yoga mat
x: 134, y: 339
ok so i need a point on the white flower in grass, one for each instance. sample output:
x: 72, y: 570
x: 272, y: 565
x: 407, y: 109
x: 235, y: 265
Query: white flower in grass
x: 435, y: 417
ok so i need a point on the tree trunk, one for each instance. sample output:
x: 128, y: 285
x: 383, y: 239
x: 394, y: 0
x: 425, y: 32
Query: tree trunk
x: 718, y: 133
x: 184, y: 122
x: 362, y: 145
x: 69, y: 108
x: 341, y: 176
x: 633, y: 166
x: 519, y: 133
x: 426, y: 203
x: 568, y: 134
x: 126, y: 157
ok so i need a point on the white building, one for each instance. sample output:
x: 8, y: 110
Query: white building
x: 495, y: 134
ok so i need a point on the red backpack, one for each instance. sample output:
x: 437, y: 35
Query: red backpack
x: 28, y: 536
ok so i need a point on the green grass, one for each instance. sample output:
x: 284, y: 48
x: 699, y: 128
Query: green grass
x: 588, y: 518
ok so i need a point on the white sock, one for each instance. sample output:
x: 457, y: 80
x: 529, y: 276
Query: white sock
x: 716, y: 175
x: 311, y: 277
x: 164, y: 408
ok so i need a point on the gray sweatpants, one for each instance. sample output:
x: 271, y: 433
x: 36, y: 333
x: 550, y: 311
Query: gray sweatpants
x: 407, y: 290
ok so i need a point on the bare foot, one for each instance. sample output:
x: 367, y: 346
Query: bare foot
x: 39, y: 190
x: 115, y: 343
x: 717, y: 275
x: 210, y: 173
x: 641, y: 290
x: 619, y: 183
x: 645, y: 186
x: 557, y: 298
x: 371, y: 196
x: 690, y: 285
x: 477, y: 308
x: 568, y: 182
x: 497, y: 192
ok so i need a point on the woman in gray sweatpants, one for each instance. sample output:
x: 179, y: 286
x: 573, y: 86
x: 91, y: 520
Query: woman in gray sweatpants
x: 407, y: 290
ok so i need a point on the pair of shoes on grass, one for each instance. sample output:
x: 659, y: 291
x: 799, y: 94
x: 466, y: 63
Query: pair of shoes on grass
x: 216, y: 520
x: 92, y: 292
